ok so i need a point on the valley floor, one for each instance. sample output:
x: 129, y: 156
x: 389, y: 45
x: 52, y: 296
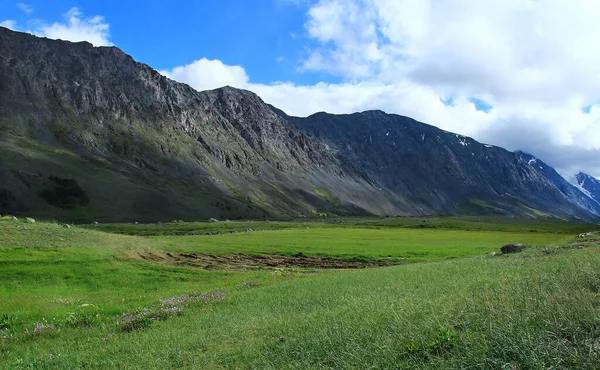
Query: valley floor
x: 190, y: 295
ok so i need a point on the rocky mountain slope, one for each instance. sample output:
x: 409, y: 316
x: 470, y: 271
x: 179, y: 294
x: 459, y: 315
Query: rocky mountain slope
x: 88, y: 133
x: 445, y: 172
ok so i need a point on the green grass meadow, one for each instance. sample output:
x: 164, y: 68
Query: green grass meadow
x: 396, y: 244
x: 81, y: 298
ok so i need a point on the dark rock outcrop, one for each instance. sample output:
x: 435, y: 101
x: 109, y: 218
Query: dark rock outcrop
x: 511, y: 248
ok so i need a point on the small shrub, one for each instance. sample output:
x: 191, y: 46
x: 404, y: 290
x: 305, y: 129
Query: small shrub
x: 83, y: 317
x: 248, y: 284
x: 445, y: 341
x: 7, y: 321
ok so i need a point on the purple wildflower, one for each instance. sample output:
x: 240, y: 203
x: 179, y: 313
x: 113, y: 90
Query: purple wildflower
x: 41, y: 327
x: 132, y: 320
x: 173, y: 309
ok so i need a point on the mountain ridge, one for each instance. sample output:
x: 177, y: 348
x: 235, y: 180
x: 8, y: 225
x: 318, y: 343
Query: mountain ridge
x: 470, y: 163
x: 140, y: 146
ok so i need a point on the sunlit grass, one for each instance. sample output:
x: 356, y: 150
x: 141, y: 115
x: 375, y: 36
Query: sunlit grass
x: 63, y: 293
x: 401, y: 244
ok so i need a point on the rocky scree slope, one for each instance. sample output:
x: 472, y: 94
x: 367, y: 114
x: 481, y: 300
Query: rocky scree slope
x: 88, y: 133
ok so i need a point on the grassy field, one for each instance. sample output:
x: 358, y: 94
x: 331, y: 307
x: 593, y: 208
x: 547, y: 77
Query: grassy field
x: 395, y: 244
x: 82, y: 297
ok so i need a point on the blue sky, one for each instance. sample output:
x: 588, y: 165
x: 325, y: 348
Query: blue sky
x: 266, y: 37
x: 520, y: 74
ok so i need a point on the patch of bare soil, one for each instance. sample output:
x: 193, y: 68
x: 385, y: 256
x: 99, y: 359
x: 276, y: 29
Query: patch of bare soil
x: 242, y: 261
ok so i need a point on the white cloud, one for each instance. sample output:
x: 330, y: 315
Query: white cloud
x: 75, y: 28
x: 25, y: 8
x: 207, y: 74
x: 10, y: 24
x: 533, y: 61
x: 78, y: 28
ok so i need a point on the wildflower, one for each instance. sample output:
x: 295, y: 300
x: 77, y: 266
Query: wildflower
x: 41, y: 327
x: 173, y: 309
x: 132, y: 320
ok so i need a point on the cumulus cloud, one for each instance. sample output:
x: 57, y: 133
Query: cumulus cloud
x: 10, y: 24
x: 205, y: 74
x: 533, y: 62
x: 78, y: 28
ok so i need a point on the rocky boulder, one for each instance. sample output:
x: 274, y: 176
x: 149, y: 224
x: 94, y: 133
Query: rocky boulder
x: 512, y: 248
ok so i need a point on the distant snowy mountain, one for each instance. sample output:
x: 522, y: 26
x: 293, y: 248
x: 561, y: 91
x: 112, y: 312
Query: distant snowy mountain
x: 588, y: 185
x: 569, y: 189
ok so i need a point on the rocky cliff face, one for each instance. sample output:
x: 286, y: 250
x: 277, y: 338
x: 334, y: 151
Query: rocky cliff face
x: 88, y: 133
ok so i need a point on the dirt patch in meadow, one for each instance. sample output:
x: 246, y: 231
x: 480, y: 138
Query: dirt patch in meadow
x: 273, y: 260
